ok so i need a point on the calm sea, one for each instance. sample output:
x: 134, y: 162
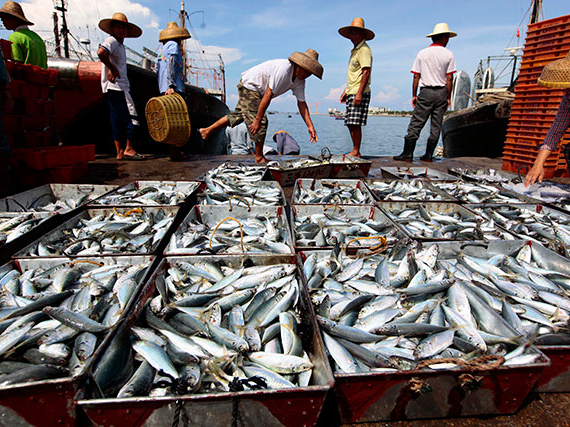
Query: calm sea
x: 382, y: 136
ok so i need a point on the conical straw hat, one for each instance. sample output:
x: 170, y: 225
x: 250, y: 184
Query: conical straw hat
x: 14, y: 10
x: 441, y: 28
x: 556, y: 74
x: 309, y: 60
x: 106, y: 25
x: 173, y: 32
x: 357, y: 23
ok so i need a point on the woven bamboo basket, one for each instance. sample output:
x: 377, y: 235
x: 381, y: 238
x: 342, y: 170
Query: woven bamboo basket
x: 167, y: 119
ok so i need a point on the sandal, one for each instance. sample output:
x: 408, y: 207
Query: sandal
x: 136, y: 156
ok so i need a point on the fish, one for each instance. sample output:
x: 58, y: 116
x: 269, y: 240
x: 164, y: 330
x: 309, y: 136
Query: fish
x: 15, y: 224
x: 161, y: 193
x: 406, y: 190
x: 331, y: 192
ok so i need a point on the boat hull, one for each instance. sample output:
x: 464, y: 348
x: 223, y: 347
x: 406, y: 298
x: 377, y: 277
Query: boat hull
x: 82, y: 111
x: 478, y: 131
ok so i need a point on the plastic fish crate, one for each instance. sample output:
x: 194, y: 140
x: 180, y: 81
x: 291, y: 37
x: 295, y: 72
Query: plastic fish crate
x: 54, y: 402
x: 299, y: 406
x: 317, y: 184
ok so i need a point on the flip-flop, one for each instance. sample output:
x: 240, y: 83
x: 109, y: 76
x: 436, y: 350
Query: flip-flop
x: 136, y: 156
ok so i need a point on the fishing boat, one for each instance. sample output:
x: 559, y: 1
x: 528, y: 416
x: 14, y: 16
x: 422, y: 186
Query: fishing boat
x: 480, y: 130
x: 79, y: 102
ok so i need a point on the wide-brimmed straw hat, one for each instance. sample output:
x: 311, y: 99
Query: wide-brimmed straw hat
x: 134, y: 31
x: 14, y: 10
x: 556, y: 74
x: 442, y: 28
x: 309, y: 60
x: 357, y: 23
x: 173, y: 32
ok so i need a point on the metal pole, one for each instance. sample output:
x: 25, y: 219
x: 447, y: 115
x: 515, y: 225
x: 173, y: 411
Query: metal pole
x: 182, y: 17
x: 223, y: 73
x: 514, y: 69
x: 56, y: 34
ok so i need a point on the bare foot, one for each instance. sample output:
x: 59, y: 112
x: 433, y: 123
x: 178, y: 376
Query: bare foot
x: 205, y: 133
x: 120, y: 155
x: 354, y: 154
x: 261, y: 160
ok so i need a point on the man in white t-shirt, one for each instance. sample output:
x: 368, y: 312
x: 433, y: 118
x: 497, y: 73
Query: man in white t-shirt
x: 433, y: 72
x: 115, y: 83
x: 259, y: 85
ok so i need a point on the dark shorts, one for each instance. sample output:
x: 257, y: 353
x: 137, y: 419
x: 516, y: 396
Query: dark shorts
x: 121, y: 121
x: 356, y: 115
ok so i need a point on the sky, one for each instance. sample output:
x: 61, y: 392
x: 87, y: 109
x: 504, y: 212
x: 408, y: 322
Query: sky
x: 248, y: 33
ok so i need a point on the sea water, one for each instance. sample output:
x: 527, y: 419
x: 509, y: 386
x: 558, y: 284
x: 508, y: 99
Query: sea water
x: 382, y: 135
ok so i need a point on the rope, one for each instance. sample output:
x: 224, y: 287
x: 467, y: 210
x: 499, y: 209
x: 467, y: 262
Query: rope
x: 240, y: 229
x: 383, y: 242
x: 241, y: 198
x: 334, y: 206
x: 419, y: 386
x: 253, y: 383
x: 85, y: 261
x: 130, y: 211
x: 470, y: 382
x: 482, y: 363
x: 177, y: 411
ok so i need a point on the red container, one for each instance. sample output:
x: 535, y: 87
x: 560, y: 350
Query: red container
x: 32, y: 106
x: 6, y: 49
x: 16, y: 88
x: 30, y: 90
x: 47, y: 107
x: 34, y: 138
x: 52, y: 77
x: 39, y: 123
x: 62, y: 174
x: 35, y: 74
x: 80, y: 170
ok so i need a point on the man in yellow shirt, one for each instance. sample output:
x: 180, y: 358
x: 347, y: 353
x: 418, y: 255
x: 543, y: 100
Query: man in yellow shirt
x: 357, y: 92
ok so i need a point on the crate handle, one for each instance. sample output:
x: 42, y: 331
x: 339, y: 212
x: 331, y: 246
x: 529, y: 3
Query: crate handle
x: 383, y: 242
x: 334, y: 206
x: 240, y: 198
x: 86, y: 261
x: 130, y: 211
x: 221, y: 222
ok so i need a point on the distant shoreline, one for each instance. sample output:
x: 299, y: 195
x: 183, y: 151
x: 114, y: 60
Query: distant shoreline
x: 403, y: 114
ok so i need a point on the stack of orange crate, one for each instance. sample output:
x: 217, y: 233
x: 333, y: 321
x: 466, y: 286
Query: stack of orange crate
x: 535, y: 106
x: 37, y: 158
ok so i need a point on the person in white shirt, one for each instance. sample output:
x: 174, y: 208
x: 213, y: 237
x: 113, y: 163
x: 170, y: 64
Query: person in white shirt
x: 115, y: 83
x: 259, y: 85
x: 433, y: 72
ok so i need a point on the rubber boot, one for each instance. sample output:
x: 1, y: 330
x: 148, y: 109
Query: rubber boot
x: 408, y: 153
x: 567, y: 156
x: 430, y: 148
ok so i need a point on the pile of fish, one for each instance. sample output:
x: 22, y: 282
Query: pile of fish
x: 223, y: 191
x: 416, y: 173
x: 16, y: 224
x: 330, y: 192
x: 155, y: 194
x: 295, y: 164
x: 134, y: 231
x: 208, y: 324
x: 261, y: 234
x: 236, y: 172
x: 548, y: 227
x: 429, y: 223
x: 53, y: 318
x: 408, y: 308
x: 487, y: 175
x: 547, y: 192
x: 415, y: 189
x: 333, y: 227
x: 477, y: 193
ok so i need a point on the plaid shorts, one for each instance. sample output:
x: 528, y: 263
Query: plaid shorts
x: 357, y: 115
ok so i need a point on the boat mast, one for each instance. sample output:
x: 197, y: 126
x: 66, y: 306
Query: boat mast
x: 536, y: 11
x: 182, y: 17
x: 56, y: 34
x: 61, y: 6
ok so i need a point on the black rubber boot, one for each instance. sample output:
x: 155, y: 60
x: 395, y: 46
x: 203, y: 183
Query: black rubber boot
x: 567, y: 156
x: 430, y: 148
x: 408, y: 153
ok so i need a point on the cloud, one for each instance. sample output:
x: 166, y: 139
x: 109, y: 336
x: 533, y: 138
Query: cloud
x: 335, y: 93
x: 209, y: 53
x: 387, y: 94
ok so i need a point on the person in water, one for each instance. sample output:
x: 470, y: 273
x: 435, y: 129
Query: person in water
x: 115, y: 83
x: 259, y: 85
x: 554, y: 75
x: 357, y: 92
x: 433, y: 72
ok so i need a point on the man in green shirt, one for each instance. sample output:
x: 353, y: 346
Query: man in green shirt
x: 27, y: 46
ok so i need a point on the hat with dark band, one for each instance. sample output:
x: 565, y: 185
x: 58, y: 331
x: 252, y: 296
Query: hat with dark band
x: 173, y: 32
x: 556, y: 74
x: 13, y: 9
x: 358, y: 24
x: 308, y: 60
x: 106, y: 25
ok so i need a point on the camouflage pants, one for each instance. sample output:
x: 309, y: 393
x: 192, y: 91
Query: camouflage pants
x: 246, y: 110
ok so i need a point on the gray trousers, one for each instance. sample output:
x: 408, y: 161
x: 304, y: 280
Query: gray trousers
x: 432, y: 102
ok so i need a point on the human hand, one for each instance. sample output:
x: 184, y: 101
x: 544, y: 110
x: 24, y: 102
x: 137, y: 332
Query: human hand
x: 255, y: 126
x: 343, y: 98
x: 113, y: 75
x: 313, y: 135
x: 448, y: 102
x: 357, y: 99
x: 535, y: 173
x: 170, y: 91
x: 414, y: 101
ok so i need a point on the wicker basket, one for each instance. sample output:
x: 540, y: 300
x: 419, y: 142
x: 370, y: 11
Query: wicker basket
x: 167, y: 119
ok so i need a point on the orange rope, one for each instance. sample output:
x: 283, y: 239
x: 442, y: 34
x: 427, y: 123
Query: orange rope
x: 130, y: 211
x: 383, y: 242
x: 100, y: 264
x: 241, y: 198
